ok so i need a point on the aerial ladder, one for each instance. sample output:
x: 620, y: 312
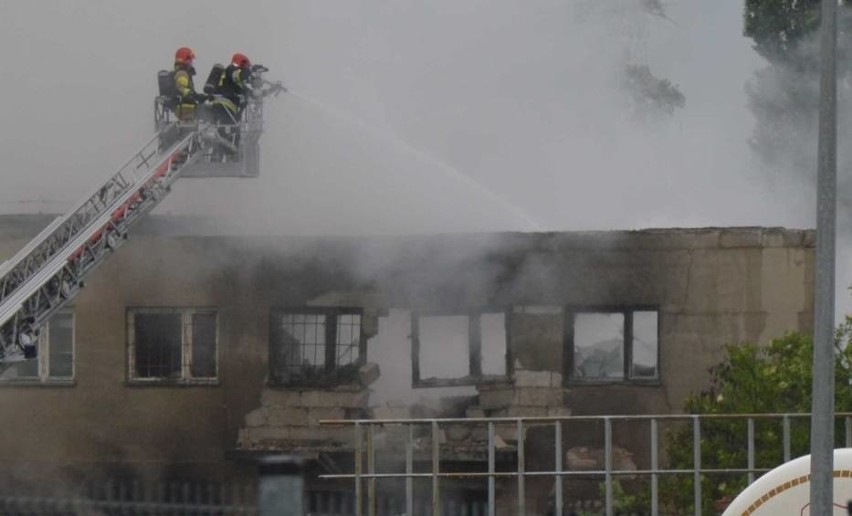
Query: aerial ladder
x: 50, y: 270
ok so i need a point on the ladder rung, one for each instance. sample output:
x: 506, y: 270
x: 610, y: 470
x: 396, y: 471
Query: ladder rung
x: 97, y: 221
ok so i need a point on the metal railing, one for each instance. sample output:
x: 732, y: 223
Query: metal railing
x: 420, y: 452
x: 113, y: 497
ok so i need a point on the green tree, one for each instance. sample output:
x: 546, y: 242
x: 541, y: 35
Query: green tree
x: 651, y: 94
x: 752, y: 380
x: 784, y: 95
x: 779, y: 26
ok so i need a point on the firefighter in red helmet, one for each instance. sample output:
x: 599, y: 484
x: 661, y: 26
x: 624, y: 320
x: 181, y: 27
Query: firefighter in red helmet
x: 231, y: 93
x: 240, y: 60
x: 188, y: 99
x: 235, y: 84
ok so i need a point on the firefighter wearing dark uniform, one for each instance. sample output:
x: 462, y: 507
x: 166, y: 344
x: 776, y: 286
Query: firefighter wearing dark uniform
x: 187, y: 99
x: 235, y: 84
x: 231, y: 93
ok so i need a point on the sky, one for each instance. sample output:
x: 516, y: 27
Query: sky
x: 406, y: 117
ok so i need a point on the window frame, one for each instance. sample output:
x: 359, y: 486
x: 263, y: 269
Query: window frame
x: 42, y: 377
x: 329, y: 376
x: 627, y: 311
x: 186, y: 378
x: 474, y: 347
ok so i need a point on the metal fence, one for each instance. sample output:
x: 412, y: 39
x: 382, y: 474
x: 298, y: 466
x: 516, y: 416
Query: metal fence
x: 480, y: 467
x: 113, y: 498
x: 416, y: 458
x: 125, y: 498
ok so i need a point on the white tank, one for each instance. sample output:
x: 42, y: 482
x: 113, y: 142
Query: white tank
x: 787, y: 489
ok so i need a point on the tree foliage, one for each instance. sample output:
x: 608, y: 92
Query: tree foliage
x: 778, y: 26
x: 651, y: 93
x: 751, y: 379
x: 784, y: 96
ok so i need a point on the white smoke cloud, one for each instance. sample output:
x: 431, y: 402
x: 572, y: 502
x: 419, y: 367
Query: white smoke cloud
x: 521, y: 102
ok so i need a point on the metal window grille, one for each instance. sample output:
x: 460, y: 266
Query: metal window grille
x: 203, y: 364
x: 158, y: 345
x: 172, y: 344
x: 315, y: 346
x: 304, y: 340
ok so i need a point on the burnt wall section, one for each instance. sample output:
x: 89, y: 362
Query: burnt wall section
x: 529, y: 394
x: 710, y: 287
x: 289, y: 419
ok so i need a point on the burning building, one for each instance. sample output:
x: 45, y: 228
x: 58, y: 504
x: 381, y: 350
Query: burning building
x: 188, y: 353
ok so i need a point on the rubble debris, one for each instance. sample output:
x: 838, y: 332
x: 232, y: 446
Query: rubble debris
x: 368, y: 374
x: 582, y: 458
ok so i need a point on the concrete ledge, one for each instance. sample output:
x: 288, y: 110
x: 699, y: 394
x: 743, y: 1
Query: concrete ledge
x: 280, y: 398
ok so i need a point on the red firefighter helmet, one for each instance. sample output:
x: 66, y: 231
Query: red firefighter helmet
x: 184, y: 55
x: 240, y: 60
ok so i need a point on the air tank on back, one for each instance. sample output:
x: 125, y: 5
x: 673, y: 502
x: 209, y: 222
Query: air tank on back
x: 213, y: 78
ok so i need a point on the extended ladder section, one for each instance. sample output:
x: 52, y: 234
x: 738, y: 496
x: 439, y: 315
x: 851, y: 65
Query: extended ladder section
x: 44, y: 276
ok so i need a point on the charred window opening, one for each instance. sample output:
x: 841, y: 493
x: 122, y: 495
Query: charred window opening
x: 315, y: 347
x: 203, y: 349
x: 172, y: 345
x: 158, y: 346
x: 458, y: 349
x: 612, y: 345
x: 55, y: 362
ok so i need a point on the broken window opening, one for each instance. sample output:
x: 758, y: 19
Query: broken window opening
x: 458, y: 349
x: 55, y: 362
x: 172, y: 345
x: 612, y: 345
x: 315, y: 346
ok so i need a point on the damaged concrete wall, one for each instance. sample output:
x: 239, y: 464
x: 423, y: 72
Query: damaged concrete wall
x: 710, y: 286
x: 530, y: 393
x: 289, y: 419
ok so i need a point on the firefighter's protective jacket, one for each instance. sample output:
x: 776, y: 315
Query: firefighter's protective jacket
x: 234, y: 85
x: 186, y: 92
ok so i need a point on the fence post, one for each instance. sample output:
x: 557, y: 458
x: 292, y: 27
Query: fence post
x: 492, y: 509
x: 557, y: 487
x: 608, y: 466
x: 371, y: 470
x: 750, y: 426
x: 409, y: 470
x: 282, y: 486
x: 359, y: 460
x: 655, y: 485
x: 436, y: 469
x: 786, y: 428
x: 522, y: 502
x: 696, y: 463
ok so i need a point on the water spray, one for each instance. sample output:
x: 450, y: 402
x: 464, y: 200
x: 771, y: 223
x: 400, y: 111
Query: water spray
x: 420, y: 154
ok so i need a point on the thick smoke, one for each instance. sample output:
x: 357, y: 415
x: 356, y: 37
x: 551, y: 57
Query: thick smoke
x: 530, y: 110
x: 784, y: 97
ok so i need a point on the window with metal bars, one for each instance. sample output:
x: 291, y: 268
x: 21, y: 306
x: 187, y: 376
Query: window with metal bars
x: 315, y: 346
x: 172, y: 345
x: 55, y: 362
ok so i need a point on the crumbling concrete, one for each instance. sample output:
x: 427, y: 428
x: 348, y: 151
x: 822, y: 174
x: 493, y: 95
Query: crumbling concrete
x: 290, y: 418
x: 582, y: 458
x: 528, y: 394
